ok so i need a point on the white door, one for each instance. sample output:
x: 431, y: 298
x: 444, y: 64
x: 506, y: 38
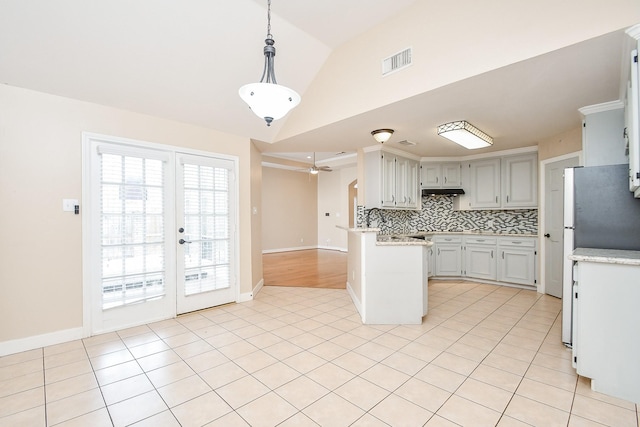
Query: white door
x: 136, y: 272
x: 205, y: 212
x: 553, y: 224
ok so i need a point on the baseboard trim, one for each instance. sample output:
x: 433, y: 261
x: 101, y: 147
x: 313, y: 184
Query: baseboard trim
x: 38, y: 341
x: 333, y: 248
x: 355, y: 299
x: 248, y: 296
x: 298, y: 248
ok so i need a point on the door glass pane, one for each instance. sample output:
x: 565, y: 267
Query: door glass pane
x: 206, y: 223
x: 132, y: 229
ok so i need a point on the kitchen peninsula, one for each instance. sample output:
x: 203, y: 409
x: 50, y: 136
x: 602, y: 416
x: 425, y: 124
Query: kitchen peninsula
x: 387, y: 277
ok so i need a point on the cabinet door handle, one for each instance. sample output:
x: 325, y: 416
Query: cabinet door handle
x: 496, y: 199
x: 436, y: 179
x: 480, y: 240
x: 507, y: 199
x: 405, y: 199
x: 438, y: 251
x: 502, y: 254
x: 491, y: 254
x: 445, y: 179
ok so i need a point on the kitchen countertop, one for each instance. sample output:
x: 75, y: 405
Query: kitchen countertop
x: 406, y: 240
x: 606, y: 256
x: 399, y: 240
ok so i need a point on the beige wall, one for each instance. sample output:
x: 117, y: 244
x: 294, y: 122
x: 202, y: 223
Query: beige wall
x: 40, y: 164
x: 333, y: 198
x: 256, y: 216
x: 289, y: 209
x: 451, y: 41
x: 557, y: 145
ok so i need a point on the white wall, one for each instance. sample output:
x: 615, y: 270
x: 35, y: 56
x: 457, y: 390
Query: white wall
x: 333, y: 198
x: 40, y: 164
x: 451, y: 40
x: 289, y: 210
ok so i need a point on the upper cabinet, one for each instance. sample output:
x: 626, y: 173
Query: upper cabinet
x: 520, y: 181
x: 632, y: 112
x: 509, y: 182
x: 391, y: 181
x: 440, y: 175
x: 603, y: 141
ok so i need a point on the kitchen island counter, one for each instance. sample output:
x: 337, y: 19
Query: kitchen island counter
x: 387, y: 280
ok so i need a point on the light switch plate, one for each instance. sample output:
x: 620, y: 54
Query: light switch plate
x: 68, y: 205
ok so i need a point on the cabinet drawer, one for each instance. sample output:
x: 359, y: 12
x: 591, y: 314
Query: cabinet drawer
x: 447, y: 239
x: 518, y: 242
x: 480, y: 241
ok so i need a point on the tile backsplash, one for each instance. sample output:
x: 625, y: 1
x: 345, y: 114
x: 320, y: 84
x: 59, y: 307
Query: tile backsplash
x: 437, y: 214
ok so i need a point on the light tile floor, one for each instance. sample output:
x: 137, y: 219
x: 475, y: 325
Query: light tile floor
x: 484, y: 356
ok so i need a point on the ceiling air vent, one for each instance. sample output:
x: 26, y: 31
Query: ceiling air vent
x: 406, y: 142
x: 396, y: 62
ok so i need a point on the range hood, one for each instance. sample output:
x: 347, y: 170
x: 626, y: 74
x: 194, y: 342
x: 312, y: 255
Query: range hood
x: 442, y: 191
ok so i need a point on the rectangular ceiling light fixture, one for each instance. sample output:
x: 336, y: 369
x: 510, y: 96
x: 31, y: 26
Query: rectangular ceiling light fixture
x: 465, y: 134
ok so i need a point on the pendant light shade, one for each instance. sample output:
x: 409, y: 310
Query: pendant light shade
x: 267, y: 99
x: 465, y: 134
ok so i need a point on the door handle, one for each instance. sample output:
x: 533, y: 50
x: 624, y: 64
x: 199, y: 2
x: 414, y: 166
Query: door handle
x: 547, y: 235
x: 182, y: 241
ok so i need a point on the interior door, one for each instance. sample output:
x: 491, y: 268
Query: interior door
x: 553, y: 224
x: 205, y: 203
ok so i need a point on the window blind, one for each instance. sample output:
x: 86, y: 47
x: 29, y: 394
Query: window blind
x: 132, y: 229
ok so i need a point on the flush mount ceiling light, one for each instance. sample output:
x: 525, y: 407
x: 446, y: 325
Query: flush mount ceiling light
x: 382, y: 135
x: 268, y: 99
x: 465, y: 134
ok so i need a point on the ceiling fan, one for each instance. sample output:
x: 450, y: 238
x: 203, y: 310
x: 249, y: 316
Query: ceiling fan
x: 315, y: 169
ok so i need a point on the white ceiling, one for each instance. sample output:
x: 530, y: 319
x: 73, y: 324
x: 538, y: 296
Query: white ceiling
x: 185, y: 60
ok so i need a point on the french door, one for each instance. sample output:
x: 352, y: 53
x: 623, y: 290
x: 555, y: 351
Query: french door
x: 204, y: 208
x: 160, y: 233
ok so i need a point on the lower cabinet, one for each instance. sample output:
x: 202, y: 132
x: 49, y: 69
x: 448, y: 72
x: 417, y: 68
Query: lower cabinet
x: 431, y: 259
x: 448, y: 255
x: 496, y: 258
x: 480, y: 257
x: 517, y: 261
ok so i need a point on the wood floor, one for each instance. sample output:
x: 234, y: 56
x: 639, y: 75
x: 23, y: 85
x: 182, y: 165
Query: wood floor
x: 312, y: 268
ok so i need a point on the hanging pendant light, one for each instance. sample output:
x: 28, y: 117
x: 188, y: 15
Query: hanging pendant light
x: 268, y: 99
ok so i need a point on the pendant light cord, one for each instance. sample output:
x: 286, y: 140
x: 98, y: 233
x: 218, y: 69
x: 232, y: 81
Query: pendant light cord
x: 269, y: 36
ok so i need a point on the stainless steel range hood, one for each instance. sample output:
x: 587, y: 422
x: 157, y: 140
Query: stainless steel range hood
x: 442, y: 192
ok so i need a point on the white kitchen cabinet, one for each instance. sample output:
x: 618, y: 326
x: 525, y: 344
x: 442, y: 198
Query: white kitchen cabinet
x: 431, y: 258
x: 440, y: 175
x: 632, y: 122
x: 480, y: 255
x: 606, y: 342
x: 484, y: 184
x: 448, y: 253
x: 407, y: 194
x: 508, y: 182
x: 517, y: 260
x: 391, y: 181
x: 603, y: 141
x: 520, y: 181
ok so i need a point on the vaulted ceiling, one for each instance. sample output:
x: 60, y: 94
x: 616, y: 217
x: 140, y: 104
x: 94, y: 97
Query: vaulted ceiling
x: 185, y: 61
